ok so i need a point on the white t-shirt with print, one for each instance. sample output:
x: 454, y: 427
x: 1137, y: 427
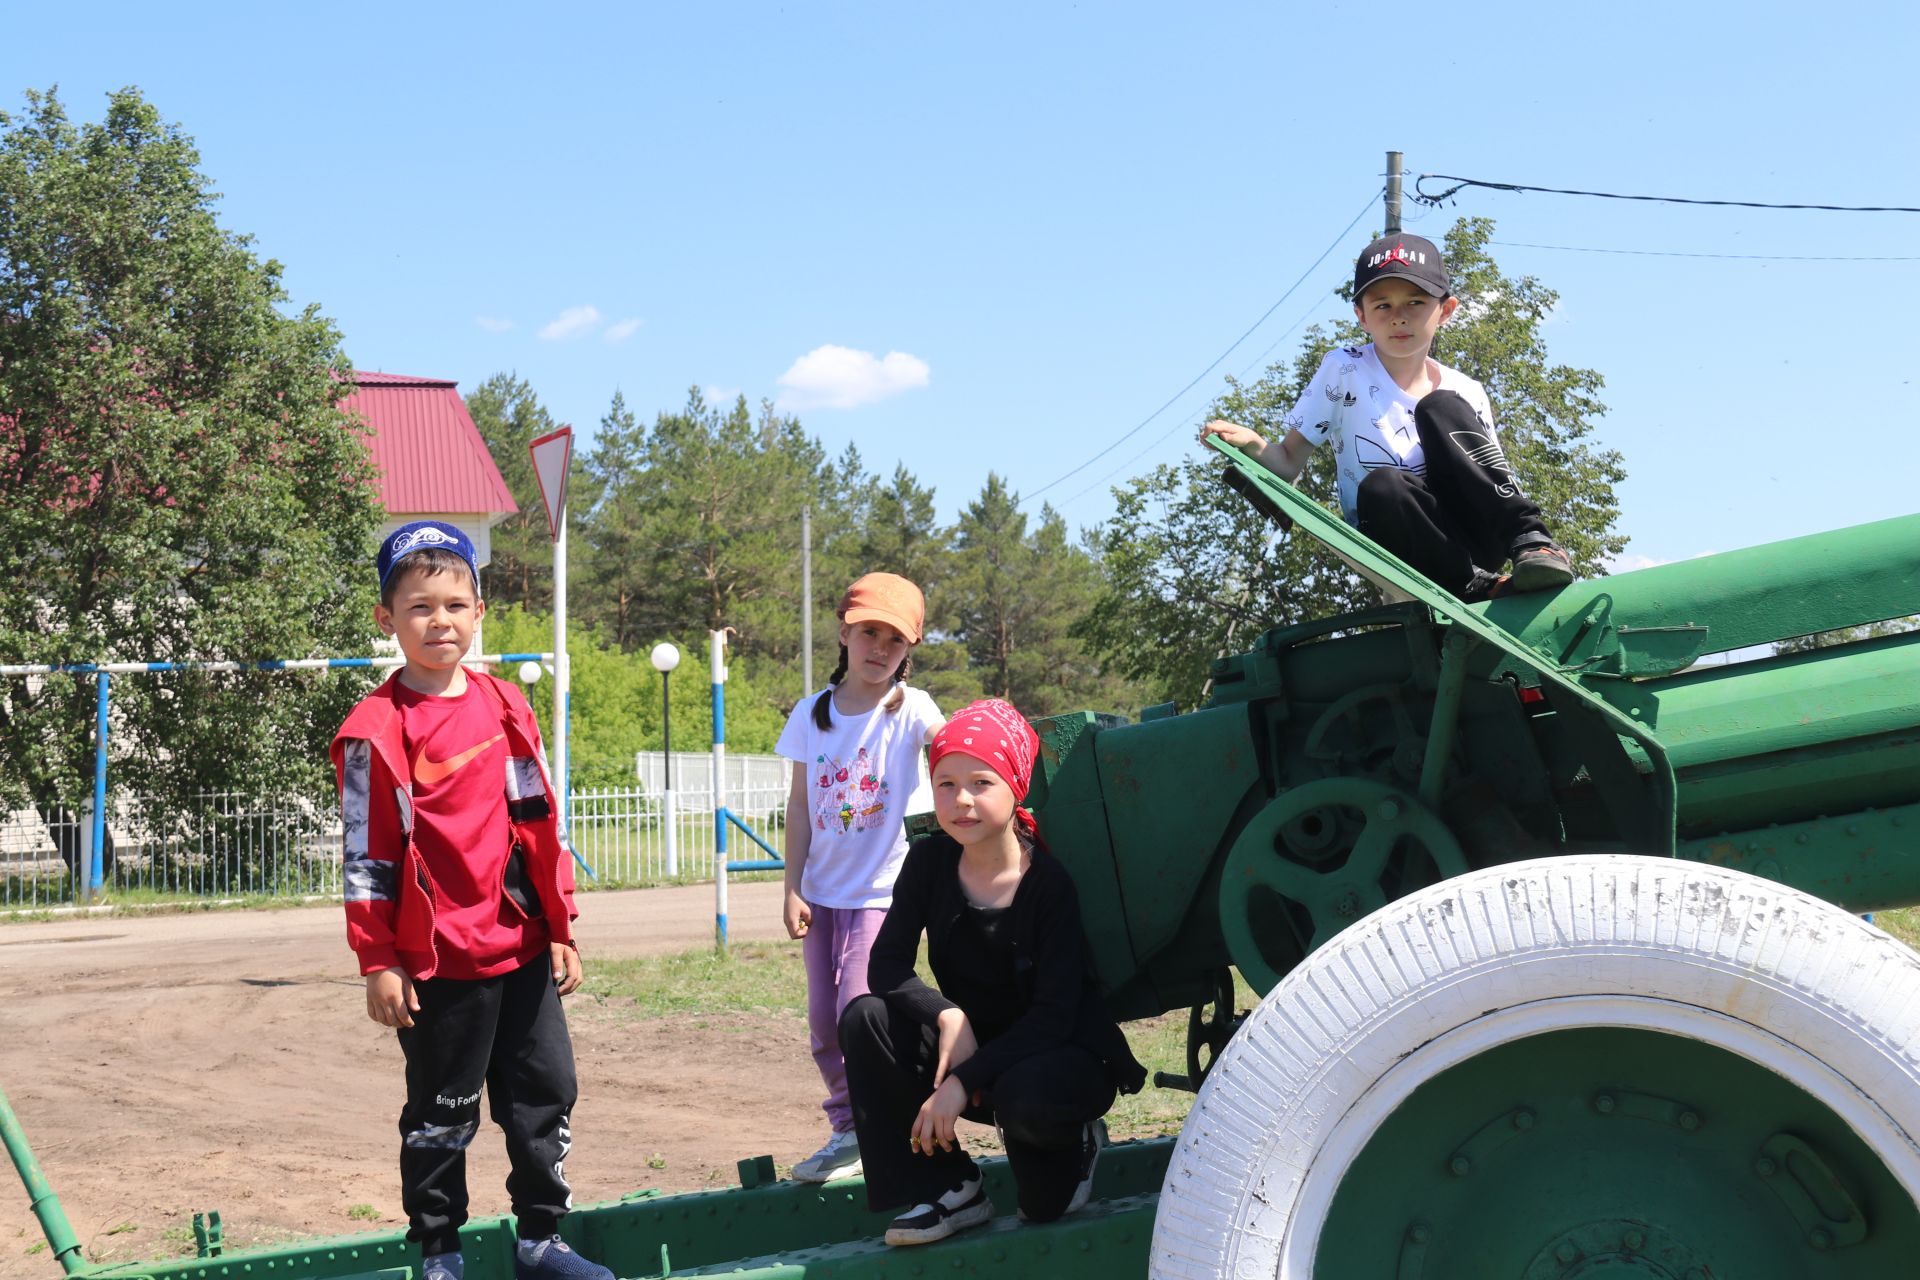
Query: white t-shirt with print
x: 864, y: 776
x: 1354, y: 402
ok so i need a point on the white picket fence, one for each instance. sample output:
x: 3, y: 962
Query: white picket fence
x: 289, y: 847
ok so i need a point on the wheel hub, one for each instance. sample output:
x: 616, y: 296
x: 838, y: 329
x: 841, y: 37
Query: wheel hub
x: 1326, y: 847
x: 1616, y: 1249
x: 1606, y: 1153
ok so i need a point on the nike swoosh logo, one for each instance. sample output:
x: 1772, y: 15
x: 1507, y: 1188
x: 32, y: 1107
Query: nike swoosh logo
x: 429, y: 772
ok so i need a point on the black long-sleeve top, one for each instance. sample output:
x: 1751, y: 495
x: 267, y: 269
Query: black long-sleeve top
x: 1044, y: 999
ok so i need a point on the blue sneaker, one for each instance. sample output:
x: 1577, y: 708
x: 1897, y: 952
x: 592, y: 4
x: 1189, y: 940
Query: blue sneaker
x: 553, y: 1259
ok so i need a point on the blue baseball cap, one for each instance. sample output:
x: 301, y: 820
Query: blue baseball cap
x: 425, y: 535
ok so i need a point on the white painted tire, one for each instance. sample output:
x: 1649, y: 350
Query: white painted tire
x: 1818, y: 996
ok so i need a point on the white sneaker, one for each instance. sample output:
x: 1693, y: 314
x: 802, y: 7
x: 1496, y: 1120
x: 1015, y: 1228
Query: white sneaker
x: 1092, y: 1142
x: 964, y: 1206
x: 840, y: 1158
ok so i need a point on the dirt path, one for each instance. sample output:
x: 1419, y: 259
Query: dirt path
x: 224, y: 1061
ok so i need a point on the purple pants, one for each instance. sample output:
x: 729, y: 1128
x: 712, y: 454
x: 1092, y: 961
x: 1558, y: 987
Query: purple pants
x: 836, y: 947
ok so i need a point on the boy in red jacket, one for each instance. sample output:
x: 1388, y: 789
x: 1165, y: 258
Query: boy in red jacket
x: 459, y: 900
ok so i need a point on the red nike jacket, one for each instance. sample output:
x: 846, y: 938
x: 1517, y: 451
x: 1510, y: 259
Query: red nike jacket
x: 389, y: 893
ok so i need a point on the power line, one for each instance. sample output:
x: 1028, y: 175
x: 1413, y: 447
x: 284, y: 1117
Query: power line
x: 1162, y: 437
x: 1138, y: 426
x: 1420, y: 194
x: 1262, y: 357
x: 1739, y: 257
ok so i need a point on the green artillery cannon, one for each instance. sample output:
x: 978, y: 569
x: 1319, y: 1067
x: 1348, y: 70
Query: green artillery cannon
x: 1554, y: 927
x: 1531, y: 1009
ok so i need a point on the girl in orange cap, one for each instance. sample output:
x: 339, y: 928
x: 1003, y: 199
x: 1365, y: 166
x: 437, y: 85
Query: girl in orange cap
x: 857, y: 767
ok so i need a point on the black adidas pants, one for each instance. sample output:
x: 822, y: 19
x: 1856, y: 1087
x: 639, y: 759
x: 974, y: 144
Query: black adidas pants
x: 507, y: 1032
x: 1467, y: 511
x: 1042, y: 1103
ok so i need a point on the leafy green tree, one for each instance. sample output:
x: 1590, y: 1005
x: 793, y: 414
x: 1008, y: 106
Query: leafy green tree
x: 1192, y: 572
x: 697, y: 524
x: 1011, y: 599
x: 899, y: 532
x: 177, y: 480
x: 616, y: 700
x: 614, y: 532
x: 510, y: 417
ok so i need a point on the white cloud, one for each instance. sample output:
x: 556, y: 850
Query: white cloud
x: 720, y: 395
x: 832, y: 377
x: 493, y: 324
x: 624, y: 329
x: 571, y: 323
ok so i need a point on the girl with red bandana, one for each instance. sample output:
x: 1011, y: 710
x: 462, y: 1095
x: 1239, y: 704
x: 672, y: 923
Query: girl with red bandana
x: 1015, y: 1032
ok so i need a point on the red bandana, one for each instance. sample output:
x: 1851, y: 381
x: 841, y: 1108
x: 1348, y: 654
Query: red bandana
x: 998, y: 736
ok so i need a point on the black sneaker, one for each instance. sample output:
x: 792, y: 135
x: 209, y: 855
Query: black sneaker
x: 1485, y: 586
x: 553, y: 1259
x: 956, y: 1210
x: 1541, y: 567
x: 1091, y: 1144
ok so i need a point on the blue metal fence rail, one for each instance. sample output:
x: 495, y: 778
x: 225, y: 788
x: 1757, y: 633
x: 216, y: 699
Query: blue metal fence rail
x: 103, y: 672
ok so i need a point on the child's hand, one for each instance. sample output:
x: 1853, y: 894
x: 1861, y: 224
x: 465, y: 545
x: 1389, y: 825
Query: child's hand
x: 933, y: 1127
x: 1234, y: 434
x: 797, y: 915
x: 567, y: 972
x: 391, y: 1000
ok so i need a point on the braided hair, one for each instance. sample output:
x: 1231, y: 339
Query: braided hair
x: 823, y: 705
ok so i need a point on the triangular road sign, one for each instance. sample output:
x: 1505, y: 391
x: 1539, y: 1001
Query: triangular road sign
x: 551, y: 455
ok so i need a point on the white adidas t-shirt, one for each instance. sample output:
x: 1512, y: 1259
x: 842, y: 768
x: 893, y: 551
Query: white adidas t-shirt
x: 864, y: 776
x: 1354, y: 402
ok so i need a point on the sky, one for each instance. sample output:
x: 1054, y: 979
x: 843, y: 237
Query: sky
x: 999, y: 237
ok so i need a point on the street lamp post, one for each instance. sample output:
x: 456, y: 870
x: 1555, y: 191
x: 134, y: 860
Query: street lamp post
x: 665, y: 657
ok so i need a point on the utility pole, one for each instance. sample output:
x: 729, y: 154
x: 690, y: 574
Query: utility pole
x: 1393, y: 193
x: 806, y: 600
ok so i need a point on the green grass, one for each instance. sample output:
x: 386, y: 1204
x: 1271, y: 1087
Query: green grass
x: 362, y: 1212
x: 1903, y: 924
x: 766, y: 978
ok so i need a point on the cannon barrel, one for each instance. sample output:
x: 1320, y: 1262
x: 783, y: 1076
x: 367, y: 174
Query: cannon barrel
x: 1756, y: 595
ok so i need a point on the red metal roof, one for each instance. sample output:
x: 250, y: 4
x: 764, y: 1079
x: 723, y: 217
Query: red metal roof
x: 430, y: 455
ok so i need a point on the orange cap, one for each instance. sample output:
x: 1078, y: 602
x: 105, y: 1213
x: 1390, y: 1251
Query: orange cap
x: 888, y: 598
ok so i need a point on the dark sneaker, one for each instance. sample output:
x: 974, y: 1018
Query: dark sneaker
x: 840, y: 1158
x: 1092, y: 1142
x: 956, y: 1210
x: 1541, y: 567
x: 1485, y: 586
x: 554, y: 1259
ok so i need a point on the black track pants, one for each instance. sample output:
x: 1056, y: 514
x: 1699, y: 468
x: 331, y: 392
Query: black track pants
x: 1468, y: 510
x: 1042, y: 1104
x: 508, y: 1033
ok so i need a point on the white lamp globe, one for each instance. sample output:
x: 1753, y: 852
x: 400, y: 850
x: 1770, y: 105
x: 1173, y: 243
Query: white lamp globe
x: 529, y: 672
x: 665, y: 657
